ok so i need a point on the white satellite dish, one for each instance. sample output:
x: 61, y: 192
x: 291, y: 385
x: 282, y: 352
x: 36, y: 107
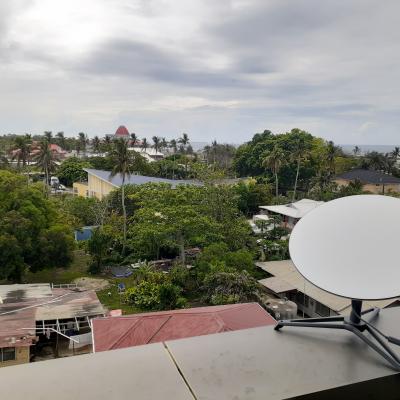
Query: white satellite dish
x: 349, y: 247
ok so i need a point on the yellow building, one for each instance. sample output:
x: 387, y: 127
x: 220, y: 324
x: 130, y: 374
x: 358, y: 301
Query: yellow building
x: 101, y: 183
x: 372, y: 181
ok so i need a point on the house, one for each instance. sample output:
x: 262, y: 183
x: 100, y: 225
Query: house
x: 372, y: 181
x: 101, y: 183
x: 133, y: 330
x: 291, y: 213
x: 31, y: 314
x: 286, y: 282
x: 150, y: 153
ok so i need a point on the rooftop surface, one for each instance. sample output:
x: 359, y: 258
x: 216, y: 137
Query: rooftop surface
x: 369, y: 176
x: 137, y: 179
x: 23, y: 305
x: 251, y: 364
x: 133, y: 330
x: 287, y: 273
x: 294, y: 210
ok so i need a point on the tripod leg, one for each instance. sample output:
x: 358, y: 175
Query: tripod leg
x: 383, y: 344
x: 374, y: 313
x: 335, y: 318
x: 389, y: 357
x: 280, y: 324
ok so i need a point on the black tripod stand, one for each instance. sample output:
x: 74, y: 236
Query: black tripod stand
x: 356, y: 324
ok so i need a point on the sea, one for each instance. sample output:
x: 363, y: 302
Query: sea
x: 365, y: 148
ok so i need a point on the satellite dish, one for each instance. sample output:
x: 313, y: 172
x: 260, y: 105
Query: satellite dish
x: 349, y: 247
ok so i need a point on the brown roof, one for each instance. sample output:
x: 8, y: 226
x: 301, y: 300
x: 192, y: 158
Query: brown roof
x: 133, y: 330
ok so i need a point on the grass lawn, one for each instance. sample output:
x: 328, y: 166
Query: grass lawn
x: 77, y: 269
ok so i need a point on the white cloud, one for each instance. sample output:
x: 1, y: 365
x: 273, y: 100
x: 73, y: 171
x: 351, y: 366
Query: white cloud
x: 217, y: 69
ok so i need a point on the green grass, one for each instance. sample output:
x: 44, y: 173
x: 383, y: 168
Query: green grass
x: 77, y: 269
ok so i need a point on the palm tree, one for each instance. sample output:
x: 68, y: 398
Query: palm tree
x: 356, y: 151
x: 156, y: 141
x: 61, y: 140
x: 96, y: 144
x: 45, y: 159
x: 173, y: 145
x: 274, y: 161
x: 133, y: 139
x: 82, y: 140
x: 184, y: 140
x: 144, y: 144
x: 48, y: 136
x: 107, y: 143
x: 163, y: 144
x: 122, y: 160
x: 298, y: 155
x: 22, y: 149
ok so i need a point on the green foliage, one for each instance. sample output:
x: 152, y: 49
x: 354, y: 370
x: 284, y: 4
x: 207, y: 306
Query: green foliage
x: 85, y: 210
x: 252, y: 195
x: 71, y: 170
x: 230, y: 287
x: 98, y: 246
x: 155, y: 292
x: 37, y: 234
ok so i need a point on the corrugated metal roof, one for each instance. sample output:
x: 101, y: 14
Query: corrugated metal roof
x: 277, y: 285
x: 286, y: 271
x: 138, y: 329
x: 137, y: 179
x: 369, y: 176
x: 294, y: 210
x: 21, y: 292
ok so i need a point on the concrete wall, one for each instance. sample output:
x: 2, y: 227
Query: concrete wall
x: 21, y: 357
x: 98, y: 188
x: 80, y: 189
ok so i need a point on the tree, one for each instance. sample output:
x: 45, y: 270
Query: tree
x: 61, y: 140
x: 184, y: 140
x: 48, y: 135
x: 156, y: 141
x: 71, y: 170
x: 356, y: 151
x: 133, y: 139
x: 144, y: 144
x: 45, y: 160
x: 123, y: 160
x: 82, y: 141
x: 22, y: 149
x: 98, y: 246
x: 96, y: 144
x: 274, y: 161
x: 33, y: 233
x: 298, y: 155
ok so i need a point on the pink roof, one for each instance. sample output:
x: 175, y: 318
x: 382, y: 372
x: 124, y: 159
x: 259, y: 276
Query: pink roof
x: 122, y: 131
x: 133, y: 330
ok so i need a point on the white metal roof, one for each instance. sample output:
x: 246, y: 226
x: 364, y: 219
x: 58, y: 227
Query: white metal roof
x: 286, y: 271
x: 294, y: 210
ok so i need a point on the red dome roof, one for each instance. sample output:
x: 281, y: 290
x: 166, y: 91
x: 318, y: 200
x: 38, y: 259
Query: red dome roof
x: 122, y: 131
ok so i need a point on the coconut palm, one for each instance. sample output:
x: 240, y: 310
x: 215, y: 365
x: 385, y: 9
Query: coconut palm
x: 356, y: 151
x: 156, y: 140
x: 48, y: 135
x: 123, y: 160
x: 45, y: 160
x: 82, y: 141
x: 298, y: 155
x: 145, y: 145
x: 184, y: 141
x: 173, y: 145
x: 133, y: 139
x: 163, y: 143
x: 61, y: 140
x: 22, y: 149
x: 96, y: 144
x: 274, y: 161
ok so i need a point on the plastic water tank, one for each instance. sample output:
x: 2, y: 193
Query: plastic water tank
x: 282, y: 308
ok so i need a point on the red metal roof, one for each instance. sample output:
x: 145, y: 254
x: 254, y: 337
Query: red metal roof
x: 133, y: 330
x: 122, y: 131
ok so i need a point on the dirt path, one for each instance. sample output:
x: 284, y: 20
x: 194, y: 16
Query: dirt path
x: 92, y: 283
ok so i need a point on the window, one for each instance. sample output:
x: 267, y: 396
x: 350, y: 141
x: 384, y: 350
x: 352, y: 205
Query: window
x: 7, y: 354
x: 302, y: 299
x: 322, y: 310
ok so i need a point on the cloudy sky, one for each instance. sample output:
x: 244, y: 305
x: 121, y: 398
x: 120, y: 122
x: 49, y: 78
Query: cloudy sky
x: 216, y: 69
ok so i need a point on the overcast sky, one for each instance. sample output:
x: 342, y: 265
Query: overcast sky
x: 216, y: 69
